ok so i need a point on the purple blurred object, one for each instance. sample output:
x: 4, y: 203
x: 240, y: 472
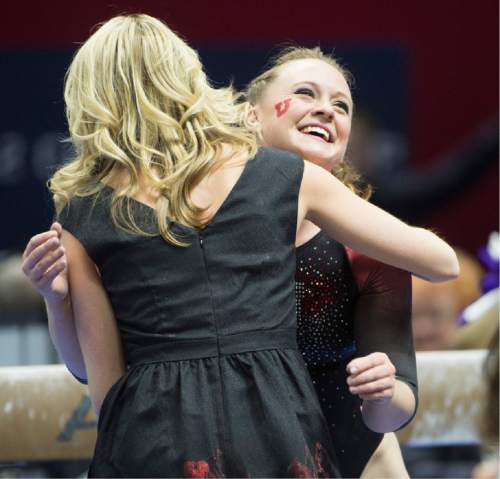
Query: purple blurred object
x: 461, y: 321
x: 490, y: 279
x: 489, y: 256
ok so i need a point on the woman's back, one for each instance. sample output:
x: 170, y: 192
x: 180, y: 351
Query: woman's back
x: 211, y: 324
x: 240, y: 266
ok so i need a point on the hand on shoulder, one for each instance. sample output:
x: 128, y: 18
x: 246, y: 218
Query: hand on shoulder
x: 45, y: 264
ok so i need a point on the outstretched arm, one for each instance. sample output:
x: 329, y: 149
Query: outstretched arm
x: 370, y: 230
x: 45, y: 265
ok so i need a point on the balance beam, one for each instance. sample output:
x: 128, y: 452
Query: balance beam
x: 47, y: 415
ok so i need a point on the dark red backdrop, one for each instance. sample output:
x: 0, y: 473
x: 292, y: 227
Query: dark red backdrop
x: 453, y: 60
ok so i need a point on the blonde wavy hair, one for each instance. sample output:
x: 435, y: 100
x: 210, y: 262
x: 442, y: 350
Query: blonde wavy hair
x: 255, y: 89
x: 139, y: 105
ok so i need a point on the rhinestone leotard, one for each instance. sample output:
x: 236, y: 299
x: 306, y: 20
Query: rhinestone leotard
x: 349, y: 305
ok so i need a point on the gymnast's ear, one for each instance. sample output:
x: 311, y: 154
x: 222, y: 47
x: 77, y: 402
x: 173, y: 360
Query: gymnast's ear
x: 252, y: 118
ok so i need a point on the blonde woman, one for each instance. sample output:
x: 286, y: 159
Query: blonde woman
x: 180, y: 240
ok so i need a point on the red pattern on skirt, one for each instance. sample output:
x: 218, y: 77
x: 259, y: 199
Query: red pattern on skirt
x: 312, y: 469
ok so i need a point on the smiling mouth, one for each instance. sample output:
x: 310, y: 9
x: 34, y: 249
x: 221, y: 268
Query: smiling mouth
x: 317, y: 132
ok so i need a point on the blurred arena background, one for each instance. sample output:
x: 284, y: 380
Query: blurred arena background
x: 425, y: 133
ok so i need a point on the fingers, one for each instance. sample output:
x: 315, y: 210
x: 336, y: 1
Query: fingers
x: 38, y: 240
x: 374, y: 387
x: 52, y: 273
x: 379, y: 396
x: 57, y: 228
x: 46, y: 262
x: 43, y: 256
x: 358, y: 365
x: 372, y: 377
x: 373, y: 374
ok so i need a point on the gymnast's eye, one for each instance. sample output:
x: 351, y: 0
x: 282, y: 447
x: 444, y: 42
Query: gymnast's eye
x: 342, y: 105
x: 304, y: 91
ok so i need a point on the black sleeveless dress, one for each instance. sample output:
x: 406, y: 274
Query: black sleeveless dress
x: 216, y: 386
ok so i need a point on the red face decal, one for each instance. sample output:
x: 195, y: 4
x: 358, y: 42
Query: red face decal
x: 282, y: 107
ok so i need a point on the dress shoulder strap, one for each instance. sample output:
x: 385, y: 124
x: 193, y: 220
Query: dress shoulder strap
x: 277, y: 180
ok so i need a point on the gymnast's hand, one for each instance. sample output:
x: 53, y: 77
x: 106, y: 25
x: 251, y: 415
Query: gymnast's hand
x: 45, y: 264
x: 372, y: 377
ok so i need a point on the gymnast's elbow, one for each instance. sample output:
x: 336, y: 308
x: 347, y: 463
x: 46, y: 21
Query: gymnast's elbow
x: 449, y: 268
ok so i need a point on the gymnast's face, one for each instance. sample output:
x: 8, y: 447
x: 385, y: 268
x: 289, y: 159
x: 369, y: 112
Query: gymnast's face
x: 306, y: 109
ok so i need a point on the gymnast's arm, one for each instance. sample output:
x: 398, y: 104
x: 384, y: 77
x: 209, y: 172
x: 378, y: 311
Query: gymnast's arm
x: 94, y: 321
x: 383, y: 333
x: 370, y: 230
x: 64, y: 336
x: 45, y: 265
